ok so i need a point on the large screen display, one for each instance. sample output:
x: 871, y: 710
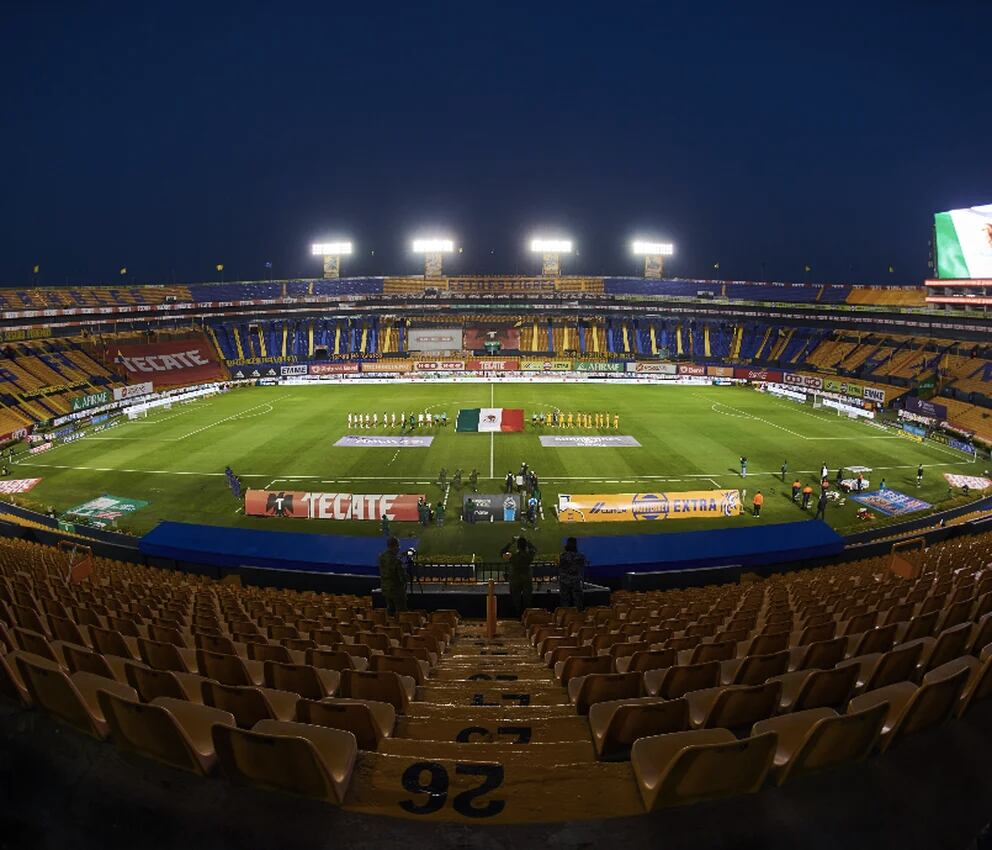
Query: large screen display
x: 964, y: 243
x: 434, y: 339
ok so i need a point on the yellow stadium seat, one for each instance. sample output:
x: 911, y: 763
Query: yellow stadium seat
x: 617, y: 724
x: 368, y: 721
x: 732, y: 706
x: 249, y: 703
x: 585, y: 691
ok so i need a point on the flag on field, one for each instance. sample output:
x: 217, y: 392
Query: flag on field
x: 490, y: 419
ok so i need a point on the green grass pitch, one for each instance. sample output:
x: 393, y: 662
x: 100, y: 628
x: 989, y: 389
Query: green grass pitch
x: 282, y: 437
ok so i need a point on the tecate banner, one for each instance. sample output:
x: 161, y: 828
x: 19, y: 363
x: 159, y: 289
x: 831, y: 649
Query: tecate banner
x: 492, y: 365
x: 332, y: 368
x: 132, y: 390
x: 630, y: 507
x: 296, y: 503
x: 175, y: 362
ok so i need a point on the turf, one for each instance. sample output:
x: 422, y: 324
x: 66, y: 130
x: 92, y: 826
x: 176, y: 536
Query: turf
x: 282, y: 437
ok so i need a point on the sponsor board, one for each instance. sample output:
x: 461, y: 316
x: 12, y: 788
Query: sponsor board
x: 844, y: 388
x: 17, y: 485
x: 720, y: 371
x: 133, y: 390
x: 439, y: 366
x: 691, y: 369
x: 972, y: 482
x: 628, y: 507
x: 174, y: 362
x: 952, y: 442
x: 891, y: 502
x: 546, y: 365
x: 599, y: 366
x: 653, y: 368
x: 81, y: 402
x: 875, y: 394
x: 42, y: 447
x: 772, y: 375
x: 611, y: 441
x: 373, y: 441
x: 486, y: 507
x: 811, y: 382
x: 299, y: 369
x: 916, y: 438
x: 388, y: 366
x: 929, y: 409
x: 363, y: 506
x: 492, y: 365
x: 108, y: 507
x: 333, y: 368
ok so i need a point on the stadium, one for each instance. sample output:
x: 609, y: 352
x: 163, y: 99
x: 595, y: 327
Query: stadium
x: 200, y: 480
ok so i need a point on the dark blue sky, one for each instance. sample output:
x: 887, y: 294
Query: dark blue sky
x: 170, y: 137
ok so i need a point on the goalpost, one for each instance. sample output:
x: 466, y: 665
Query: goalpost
x: 77, y: 561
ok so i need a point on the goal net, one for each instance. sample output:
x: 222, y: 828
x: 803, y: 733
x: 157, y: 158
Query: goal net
x: 137, y: 412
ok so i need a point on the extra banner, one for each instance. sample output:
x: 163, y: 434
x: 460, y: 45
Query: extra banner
x: 546, y: 365
x: 630, y: 507
x: 303, y: 505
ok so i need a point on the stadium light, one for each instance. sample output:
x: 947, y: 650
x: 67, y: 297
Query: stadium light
x: 551, y: 251
x: 433, y: 248
x: 331, y: 252
x: 654, y: 254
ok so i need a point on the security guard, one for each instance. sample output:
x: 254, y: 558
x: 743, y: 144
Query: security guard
x: 393, y: 577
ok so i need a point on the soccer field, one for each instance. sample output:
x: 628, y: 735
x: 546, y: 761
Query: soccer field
x: 283, y: 438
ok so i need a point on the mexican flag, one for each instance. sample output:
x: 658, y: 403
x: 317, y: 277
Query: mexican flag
x: 490, y: 419
x: 964, y: 242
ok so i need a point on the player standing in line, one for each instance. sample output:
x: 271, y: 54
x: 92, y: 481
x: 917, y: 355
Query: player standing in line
x: 919, y: 475
x: 616, y: 422
x: 375, y: 420
x: 430, y: 419
x: 349, y: 421
x: 569, y: 420
x: 392, y: 423
x: 385, y: 419
x: 420, y: 420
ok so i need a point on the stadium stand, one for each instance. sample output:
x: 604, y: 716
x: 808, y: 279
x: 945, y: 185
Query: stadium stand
x: 660, y: 698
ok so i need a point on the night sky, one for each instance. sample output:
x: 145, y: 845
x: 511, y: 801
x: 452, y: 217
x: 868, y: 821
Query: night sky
x: 168, y: 137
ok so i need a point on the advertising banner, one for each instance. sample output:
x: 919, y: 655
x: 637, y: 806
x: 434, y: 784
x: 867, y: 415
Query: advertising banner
x: 600, y: 366
x: 875, y: 394
x: 653, y: 368
x: 546, y: 365
x: 953, y: 442
x: 478, y: 336
x: 500, y: 507
x: 132, y: 390
x: 434, y: 339
x: 891, y: 502
x: 628, y: 507
x: 363, y: 506
x: 174, y: 362
x: 17, y: 485
x: 972, y: 482
x: 41, y: 447
x: 772, y: 375
x: 930, y: 409
x: 720, y: 371
x: 108, y: 507
x: 385, y: 442
x: 810, y: 382
x: 691, y: 369
x: 843, y: 387
x: 439, y: 366
x: 611, y: 441
x: 333, y: 368
x: 298, y: 369
x: 81, y: 402
x: 492, y: 365
x: 381, y: 366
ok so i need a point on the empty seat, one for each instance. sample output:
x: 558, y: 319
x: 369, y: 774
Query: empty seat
x: 754, y: 669
x: 335, y: 659
x: 822, y: 654
x: 174, y: 732
x: 878, y: 670
x: 368, y: 721
x: 641, y: 662
x: 314, y: 761
x: 416, y: 670
x: 166, y: 656
x: 229, y: 669
x: 379, y: 687
x: 687, y: 767
x: 733, y: 706
x: 617, y: 724
x: 678, y: 680
x: 819, y: 738
x: 805, y: 689
x: 309, y: 682
x: 151, y: 684
x: 72, y: 699
x: 585, y: 691
x: 79, y: 658
x: 579, y: 665
x: 248, y: 703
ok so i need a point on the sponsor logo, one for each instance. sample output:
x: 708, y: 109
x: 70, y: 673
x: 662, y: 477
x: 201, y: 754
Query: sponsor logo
x: 81, y: 402
x: 43, y: 447
x: 385, y: 442
x: 293, y: 370
x: 875, y: 394
x: 332, y: 368
x: 653, y: 368
x: 337, y: 506
x: 439, y: 365
x: 492, y: 365
x: 546, y: 365
x: 600, y: 366
x: 187, y: 361
x: 639, y: 507
x: 758, y: 375
x: 891, y: 502
x: 691, y: 369
x: 17, y: 485
x: 618, y: 441
x: 487, y: 507
x: 107, y: 507
x: 132, y: 390
x: 929, y: 409
x: 720, y: 371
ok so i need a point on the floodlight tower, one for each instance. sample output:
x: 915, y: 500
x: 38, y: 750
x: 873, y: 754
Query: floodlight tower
x: 331, y: 253
x: 551, y: 251
x: 654, y: 254
x: 433, y: 249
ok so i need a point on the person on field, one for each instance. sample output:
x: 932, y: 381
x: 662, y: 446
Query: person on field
x: 473, y: 479
x: 785, y: 470
x: 919, y: 475
x: 743, y: 467
x: 442, y: 478
x: 797, y: 485
x: 520, y: 553
x: 423, y: 512
x: 821, y: 506
x: 385, y: 525
x: 759, y: 500
x: 456, y: 482
x: 508, y: 485
x: 807, y: 496
x: 824, y: 472
x: 392, y: 577
x: 439, y: 514
x: 881, y: 485
x: 571, y: 567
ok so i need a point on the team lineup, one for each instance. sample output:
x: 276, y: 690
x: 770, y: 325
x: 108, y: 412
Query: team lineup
x: 427, y: 419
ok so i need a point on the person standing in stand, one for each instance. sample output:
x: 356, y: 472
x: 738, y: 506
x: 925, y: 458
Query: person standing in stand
x: 392, y: 577
x: 520, y: 553
x: 571, y: 568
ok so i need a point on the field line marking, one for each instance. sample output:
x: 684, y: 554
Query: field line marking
x: 225, y: 419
